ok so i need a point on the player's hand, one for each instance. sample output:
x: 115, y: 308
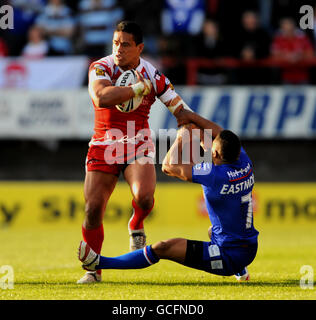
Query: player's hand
x: 146, y: 88
x: 183, y: 117
x: 186, y: 130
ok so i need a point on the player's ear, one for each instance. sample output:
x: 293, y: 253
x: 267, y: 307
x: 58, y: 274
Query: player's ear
x: 217, y: 155
x: 140, y: 48
x: 214, y: 154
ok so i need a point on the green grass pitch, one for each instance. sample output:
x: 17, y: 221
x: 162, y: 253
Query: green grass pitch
x: 44, y: 260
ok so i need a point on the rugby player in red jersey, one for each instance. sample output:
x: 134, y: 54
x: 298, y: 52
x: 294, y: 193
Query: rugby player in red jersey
x: 101, y: 172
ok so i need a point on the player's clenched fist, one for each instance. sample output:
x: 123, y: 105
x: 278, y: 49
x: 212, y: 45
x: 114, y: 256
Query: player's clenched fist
x: 142, y: 87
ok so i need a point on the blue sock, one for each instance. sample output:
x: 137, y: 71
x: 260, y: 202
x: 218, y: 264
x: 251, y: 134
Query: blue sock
x: 137, y: 259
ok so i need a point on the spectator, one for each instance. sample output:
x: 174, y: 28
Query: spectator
x: 25, y: 13
x: 291, y: 44
x: 252, y: 37
x: 248, y: 54
x: 97, y: 20
x: 37, y: 46
x: 209, y: 43
x: 58, y: 26
x: 249, y: 44
x: 251, y: 74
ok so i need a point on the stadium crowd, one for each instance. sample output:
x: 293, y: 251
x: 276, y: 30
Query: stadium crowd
x: 174, y: 31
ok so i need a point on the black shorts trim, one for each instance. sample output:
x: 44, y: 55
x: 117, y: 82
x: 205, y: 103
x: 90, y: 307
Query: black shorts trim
x: 194, y: 255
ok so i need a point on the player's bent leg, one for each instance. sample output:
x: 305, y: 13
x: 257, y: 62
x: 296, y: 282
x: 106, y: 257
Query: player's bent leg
x: 142, y: 181
x: 195, y: 254
x: 172, y: 249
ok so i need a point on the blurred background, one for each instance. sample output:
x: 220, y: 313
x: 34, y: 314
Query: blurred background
x: 247, y: 65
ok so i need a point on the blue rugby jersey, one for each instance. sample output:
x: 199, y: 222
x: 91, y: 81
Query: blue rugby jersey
x: 228, y: 195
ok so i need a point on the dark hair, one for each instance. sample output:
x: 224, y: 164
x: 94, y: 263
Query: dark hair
x: 132, y: 28
x: 230, y: 145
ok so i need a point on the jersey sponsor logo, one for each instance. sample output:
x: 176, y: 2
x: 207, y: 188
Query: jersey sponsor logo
x: 99, y: 70
x: 124, y: 79
x: 239, y: 174
x: 203, y: 168
x: 236, y: 188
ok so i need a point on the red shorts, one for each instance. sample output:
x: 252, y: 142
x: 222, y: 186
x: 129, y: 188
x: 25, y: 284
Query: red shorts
x: 116, y: 156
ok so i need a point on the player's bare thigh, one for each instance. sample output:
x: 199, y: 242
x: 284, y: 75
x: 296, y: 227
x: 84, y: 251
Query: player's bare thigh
x: 98, y: 187
x: 141, y: 177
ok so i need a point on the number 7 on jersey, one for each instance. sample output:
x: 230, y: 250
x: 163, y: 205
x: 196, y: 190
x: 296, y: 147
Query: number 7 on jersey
x: 244, y: 199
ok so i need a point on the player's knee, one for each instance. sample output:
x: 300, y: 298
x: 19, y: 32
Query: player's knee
x: 144, y: 200
x: 161, y: 248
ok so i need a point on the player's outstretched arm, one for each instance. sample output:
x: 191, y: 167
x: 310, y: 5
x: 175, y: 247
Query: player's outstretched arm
x: 173, y: 162
x: 185, y: 116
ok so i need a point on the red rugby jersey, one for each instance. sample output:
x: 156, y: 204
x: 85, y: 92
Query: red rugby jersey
x: 110, y: 117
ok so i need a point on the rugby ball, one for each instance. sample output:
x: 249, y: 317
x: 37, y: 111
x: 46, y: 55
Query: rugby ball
x: 126, y: 79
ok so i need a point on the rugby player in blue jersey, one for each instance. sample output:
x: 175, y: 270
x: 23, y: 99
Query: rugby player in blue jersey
x: 227, y: 181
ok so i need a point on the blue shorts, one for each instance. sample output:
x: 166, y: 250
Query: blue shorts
x: 224, y: 261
